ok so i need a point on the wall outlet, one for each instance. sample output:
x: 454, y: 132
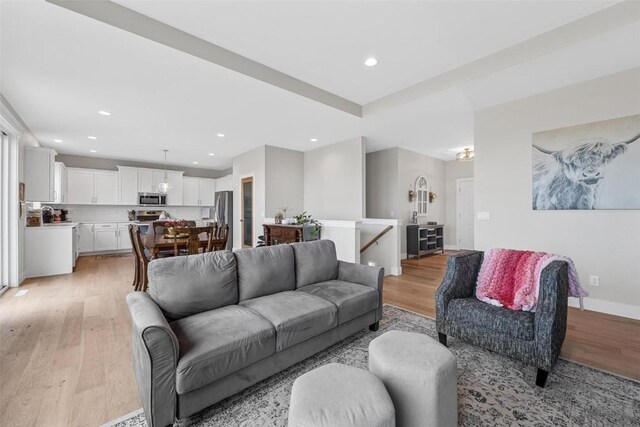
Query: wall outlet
x: 484, y: 216
x: 594, y: 280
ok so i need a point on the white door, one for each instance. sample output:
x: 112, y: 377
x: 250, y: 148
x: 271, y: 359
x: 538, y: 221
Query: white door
x: 174, y: 195
x: 106, y: 240
x: 145, y: 181
x: 128, y: 186
x: 106, y: 188
x: 85, y: 240
x: 465, y: 214
x: 79, y: 186
x: 190, y: 191
x: 207, y: 192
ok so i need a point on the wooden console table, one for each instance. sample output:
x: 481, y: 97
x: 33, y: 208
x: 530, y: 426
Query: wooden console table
x: 275, y: 234
x: 424, y: 239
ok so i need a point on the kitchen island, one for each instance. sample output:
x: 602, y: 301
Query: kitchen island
x: 51, y: 249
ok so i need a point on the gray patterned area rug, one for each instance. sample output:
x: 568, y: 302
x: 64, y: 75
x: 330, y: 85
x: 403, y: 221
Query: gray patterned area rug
x: 492, y: 390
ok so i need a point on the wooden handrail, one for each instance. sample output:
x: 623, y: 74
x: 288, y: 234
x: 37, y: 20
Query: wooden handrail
x: 375, y: 239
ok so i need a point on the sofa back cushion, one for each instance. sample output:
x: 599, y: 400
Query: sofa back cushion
x: 315, y: 262
x: 265, y: 271
x: 187, y: 285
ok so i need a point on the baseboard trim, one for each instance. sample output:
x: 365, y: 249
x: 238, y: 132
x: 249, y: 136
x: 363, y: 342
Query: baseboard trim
x: 396, y: 271
x: 21, y: 277
x: 451, y: 247
x: 608, y: 307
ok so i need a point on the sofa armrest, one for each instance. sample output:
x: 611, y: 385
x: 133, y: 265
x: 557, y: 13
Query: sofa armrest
x: 551, y: 313
x: 155, y: 356
x: 459, y: 282
x: 364, y: 275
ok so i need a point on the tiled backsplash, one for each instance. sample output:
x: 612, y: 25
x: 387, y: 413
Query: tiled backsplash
x: 90, y: 213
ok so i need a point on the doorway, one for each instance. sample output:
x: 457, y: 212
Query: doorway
x: 246, y: 209
x: 9, y: 205
x: 464, y: 213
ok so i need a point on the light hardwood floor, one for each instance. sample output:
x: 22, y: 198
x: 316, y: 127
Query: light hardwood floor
x: 65, y: 347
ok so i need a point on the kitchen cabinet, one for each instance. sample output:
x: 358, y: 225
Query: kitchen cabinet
x: 198, y: 191
x: 60, y: 183
x: 92, y: 187
x: 49, y: 250
x: 149, y: 179
x: 39, y: 171
x: 128, y: 178
x: 174, y: 195
x: 85, y: 238
x: 105, y: 237
x: 224, y: 183
x: 124, y: 241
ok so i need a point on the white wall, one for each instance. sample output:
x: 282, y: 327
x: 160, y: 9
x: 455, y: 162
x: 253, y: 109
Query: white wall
x: 382, y: 184
x: 334, y: 180
x: 454, y: 170
x: 603, y: 243
x: 251, y: 163
x: 284, y: 176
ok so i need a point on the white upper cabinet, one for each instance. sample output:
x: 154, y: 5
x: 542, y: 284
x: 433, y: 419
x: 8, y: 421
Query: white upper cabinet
x: 60, y: 184
x: 174, y: 195
x: 198, y: 191
x: 146, y: 183
x: 79, y: 186
x: 106, y: 188
x: 92, y: 187
x: 128, y: 185
x: 207, y: 192
x: 190, y: 191
x: 39, y: 170
x: 224, y: 183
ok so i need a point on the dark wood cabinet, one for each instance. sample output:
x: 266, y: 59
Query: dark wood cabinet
x: 275, y: 234
x: 424, y: 239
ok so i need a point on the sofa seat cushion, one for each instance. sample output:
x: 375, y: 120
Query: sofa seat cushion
x: 296, y: 316
x: 480, y: 316
x: 219, y: 342
x: 351, y: 299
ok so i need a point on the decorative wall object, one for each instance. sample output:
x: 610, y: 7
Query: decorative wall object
x: 421, y: 196
x: 591, y: 166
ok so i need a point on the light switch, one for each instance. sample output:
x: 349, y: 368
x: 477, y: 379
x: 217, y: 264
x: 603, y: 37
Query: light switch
x: 484, y: 216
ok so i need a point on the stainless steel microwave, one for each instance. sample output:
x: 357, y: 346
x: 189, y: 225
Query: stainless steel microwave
x: 152, y: 199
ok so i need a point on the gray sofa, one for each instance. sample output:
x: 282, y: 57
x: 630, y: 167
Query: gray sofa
x: 216, y: 323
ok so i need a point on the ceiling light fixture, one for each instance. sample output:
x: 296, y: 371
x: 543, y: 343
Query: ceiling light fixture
x: 466, y: 154
x: 195, y: 163
x: 93, y: 151
x: 57, y: 140
x: 164, y: 186
x: 104, y: 113
x: 371, y: 62
x: 220, y: 135
x: 314, y: 139
x: 92, y: 137
x: 212, y: 154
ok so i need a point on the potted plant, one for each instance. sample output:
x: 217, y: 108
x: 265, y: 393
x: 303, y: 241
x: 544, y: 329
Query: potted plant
x: 279, y: 217
x: 311, y: 227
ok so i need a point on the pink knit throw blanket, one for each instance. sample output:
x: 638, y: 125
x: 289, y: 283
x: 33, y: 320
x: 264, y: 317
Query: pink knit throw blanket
x: 510, y: 278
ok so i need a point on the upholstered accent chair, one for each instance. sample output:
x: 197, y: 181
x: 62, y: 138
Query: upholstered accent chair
x: 534, y: 338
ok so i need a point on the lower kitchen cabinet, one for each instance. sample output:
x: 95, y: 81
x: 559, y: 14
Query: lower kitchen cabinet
x: 85, y: 239
x: 105, y: 237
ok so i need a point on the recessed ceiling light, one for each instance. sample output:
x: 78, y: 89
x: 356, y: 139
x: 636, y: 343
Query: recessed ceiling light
x: 195, y: 163
x: 93, y: 151
x: 371, y: 62
x: 314, y: 139
x: 220, y: 135
x: 212, y: 154
x: 57, y: 140
x: 104, y: 113
x: 92, y: 137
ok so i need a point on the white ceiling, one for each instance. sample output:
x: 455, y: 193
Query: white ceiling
x: 58, y: 68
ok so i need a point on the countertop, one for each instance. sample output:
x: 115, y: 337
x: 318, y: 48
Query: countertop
x: 55, y: 224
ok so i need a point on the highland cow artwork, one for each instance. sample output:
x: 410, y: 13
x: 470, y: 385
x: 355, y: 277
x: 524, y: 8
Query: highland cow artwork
x: 591, y: 166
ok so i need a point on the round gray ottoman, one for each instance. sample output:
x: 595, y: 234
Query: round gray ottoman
x: 338, y: 395
x: 420, y: 375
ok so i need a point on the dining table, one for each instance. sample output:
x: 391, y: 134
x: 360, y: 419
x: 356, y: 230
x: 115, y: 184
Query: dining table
x: 158, y: 242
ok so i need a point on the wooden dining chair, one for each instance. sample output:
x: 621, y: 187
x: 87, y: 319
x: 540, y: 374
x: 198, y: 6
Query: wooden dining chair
x: 193, y: 241
x: 141, y: 256
x: 220, y: 238
x: 136, y: 260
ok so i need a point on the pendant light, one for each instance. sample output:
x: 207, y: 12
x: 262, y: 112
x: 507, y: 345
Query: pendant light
x: 164, y: 186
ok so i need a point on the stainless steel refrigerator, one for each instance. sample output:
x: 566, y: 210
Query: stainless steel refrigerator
x: 224, y: 213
